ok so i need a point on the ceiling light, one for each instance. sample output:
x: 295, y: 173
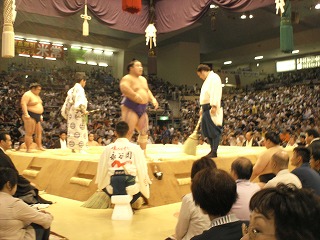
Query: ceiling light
x: 214, y: 6
x: 40, y: 57
x: 81, y: 62
x: 19, y: 38
x: 258, y: 57
x: 65, y: 49
x: 92, y: 63
x: 98, y: 51
x: 108, y: 53
x: 51, y: 58
x: 246, y: 15
x: 42, y: 42
x: 317, y: 6
x: 103, y: 64
x: 24, y: 55
x: 86, y: 48
x: 58, y: 44
x: 31, y: 40
x: 295, y: 51
x: 75, y: 47
x: 227, y: 62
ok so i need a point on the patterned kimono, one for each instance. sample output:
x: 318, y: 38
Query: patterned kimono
x: 76, y: 102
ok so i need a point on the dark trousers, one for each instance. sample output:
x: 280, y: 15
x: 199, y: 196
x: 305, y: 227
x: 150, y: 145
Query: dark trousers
x: 209, y: 129
x: 41, y: 233
x: 119, y: 183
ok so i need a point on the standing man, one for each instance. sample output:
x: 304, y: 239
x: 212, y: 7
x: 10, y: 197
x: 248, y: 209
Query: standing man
x: 137, y: 95
x: 75, y: 111
x: 211, y: 110
x: 32, y: 110
x: 122, y: 168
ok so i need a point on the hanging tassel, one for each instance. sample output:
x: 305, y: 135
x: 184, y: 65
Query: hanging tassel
x: 151, y: 35
x: 131, y: 6
x: 85, y: 25
x: 286, y: 30
x: 8, y: 31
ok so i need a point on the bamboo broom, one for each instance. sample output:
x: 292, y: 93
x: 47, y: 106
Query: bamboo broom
x: 190, y: 145
x: 99, y: 200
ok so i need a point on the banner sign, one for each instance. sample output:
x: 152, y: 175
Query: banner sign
x: 45, y: 50
x: 308, y: 62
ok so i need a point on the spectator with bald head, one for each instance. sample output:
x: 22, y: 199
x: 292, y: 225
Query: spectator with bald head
x: 279, y: 163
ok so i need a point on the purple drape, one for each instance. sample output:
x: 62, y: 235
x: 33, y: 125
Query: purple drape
x: 170, y: 15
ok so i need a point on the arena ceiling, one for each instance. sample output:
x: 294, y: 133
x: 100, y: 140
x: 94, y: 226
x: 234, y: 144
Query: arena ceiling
x: 221, y: 34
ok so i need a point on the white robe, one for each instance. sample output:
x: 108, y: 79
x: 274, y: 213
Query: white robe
x: 124, y: 155
x: 211, y: 92
x: 77, y: 122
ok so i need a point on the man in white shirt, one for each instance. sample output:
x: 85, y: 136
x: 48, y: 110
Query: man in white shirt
x: 211, y: 110
x: 122, y: 168
x: 279, y: 163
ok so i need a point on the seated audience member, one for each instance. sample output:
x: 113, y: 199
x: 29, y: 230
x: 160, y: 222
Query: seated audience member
x: 215, y: 192
x: 250, y: 141
x: 302, y: 140
x: 315, y: 160
x: 241, y: 170
x: 17, y: 219
x: 192, y: 221
x: 25, y: 190
x: 100, y: 141
x: 175, y: 141
x: 122, y: 168
x: 262, y: 167
x: 292, y: 142
x: 308, y: 177
x: 284, y: 137
x: 312, y: 139
x: 280, y: 163
x: 282, y: 213
x: 62, y: 141
x: 33, y: 146
x: 91, y: 141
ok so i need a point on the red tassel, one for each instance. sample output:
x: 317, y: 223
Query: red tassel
x: 131, y: 6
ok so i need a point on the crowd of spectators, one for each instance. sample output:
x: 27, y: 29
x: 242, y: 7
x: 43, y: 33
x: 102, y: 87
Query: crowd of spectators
x: 288, y: 109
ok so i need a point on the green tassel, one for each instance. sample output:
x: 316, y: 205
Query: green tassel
x: 286, y: 30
